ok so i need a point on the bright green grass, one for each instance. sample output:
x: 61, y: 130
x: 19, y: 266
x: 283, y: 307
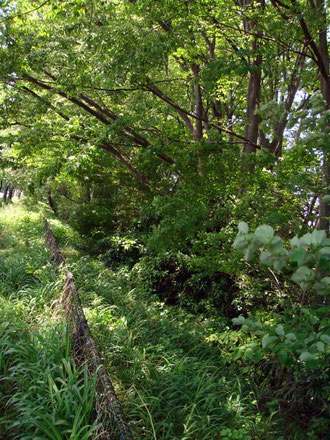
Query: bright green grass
x: 174, y: 382
x: 42, y: 394
x: 173, y: 377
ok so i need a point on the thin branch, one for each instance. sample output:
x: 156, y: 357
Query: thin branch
x: 105, y: 146
x: 100, y: 115
x: 218, y: 127
x: 317, y: 58
x: 156, y: 91
x: 313, y: 46
x: 44, y: 101
x: 211, y: 124
x: 130, y: 133
x: 262, y: 37
x: 24, y: 13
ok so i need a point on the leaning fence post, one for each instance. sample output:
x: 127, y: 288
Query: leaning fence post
x: 85, y: 351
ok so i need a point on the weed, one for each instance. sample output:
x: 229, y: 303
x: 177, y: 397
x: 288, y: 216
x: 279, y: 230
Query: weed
x: 42, y: 393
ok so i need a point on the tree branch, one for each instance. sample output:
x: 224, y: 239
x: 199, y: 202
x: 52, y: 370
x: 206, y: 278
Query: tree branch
x: 183, y: 113
x: 100, y: 115
x: 24, y: 13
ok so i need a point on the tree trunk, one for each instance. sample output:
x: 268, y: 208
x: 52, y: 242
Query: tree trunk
x: 253, y: 98
x: 199, y: 111
x: 10, y: 193
x: 325, y: 90
x: 5, y: 193
x: 51, y: 202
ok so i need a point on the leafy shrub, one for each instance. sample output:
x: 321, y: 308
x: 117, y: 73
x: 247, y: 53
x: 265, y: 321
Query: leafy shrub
x: 121, y: 249
x: 176, y: 283
x: 298, y: 339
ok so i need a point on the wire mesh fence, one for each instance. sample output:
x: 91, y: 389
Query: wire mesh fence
x: 113, y: 425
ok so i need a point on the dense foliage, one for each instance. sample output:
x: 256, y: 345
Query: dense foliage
x: 156, y: 129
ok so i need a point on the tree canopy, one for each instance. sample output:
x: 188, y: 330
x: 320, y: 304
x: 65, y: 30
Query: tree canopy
x: 156, y: 128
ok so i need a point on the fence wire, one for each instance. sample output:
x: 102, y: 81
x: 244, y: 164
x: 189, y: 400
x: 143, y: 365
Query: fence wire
x: 85, y: 351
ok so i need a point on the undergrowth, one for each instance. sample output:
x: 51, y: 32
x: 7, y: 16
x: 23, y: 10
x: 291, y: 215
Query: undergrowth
x: 175, y: 378
x: 42, y: 394
x: 175, y: 372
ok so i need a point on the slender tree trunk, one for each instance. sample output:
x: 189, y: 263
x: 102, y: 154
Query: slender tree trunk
x: 199, y: 111
x: 253, y: 98
x: 325, y: 90
x: 275, y: 146
x: 51, y: 202
x: 10, y: 193
x: 5, y: 193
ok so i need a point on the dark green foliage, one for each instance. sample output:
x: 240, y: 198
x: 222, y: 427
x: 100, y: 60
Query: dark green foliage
x: 176, y: 283
x: 120, y: 249
x: 296, y: 343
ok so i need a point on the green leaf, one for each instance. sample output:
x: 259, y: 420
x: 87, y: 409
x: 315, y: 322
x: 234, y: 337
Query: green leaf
x: 249, y: 353
x: 325, y: 338
x: 295, y: 242
x: 306, y: 239
x: 309, y: 339
x: 324, y: 263
x: 283, y: 355
x: 266, y: 258
x: 303, y: 273
x: 268, y: 340
x: 320, y: 346
x: 279, y: 264
x: 306, y: 356
x: 276, y: 245
x: 291, y: 337
x: 298, y: 255
x: 280, y: 330
x: 239, y: 321
x: 322, y: 287
x: 237, y: 354
x: 250, y: 252
x: 318, y: 237
x: 326, y: 199
x: 325, y: 251
x: 243, y: 227
x: 240, y: 242
x: 264, y: 233
x: 257, y: 355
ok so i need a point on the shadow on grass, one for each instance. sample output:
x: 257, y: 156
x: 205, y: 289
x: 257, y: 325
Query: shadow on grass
x: 173, y: 382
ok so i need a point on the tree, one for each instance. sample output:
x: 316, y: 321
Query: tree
x: 168, y: 90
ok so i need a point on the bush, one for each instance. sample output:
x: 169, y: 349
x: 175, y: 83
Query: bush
x: 296, y: 342
x: 177, y: 284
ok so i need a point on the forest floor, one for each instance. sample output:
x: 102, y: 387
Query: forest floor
x: 173, y: 371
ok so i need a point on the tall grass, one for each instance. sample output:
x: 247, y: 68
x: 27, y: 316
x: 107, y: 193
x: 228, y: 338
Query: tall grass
x: 172, y: 370
x: 42, y: 394
x: 174, y: 381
